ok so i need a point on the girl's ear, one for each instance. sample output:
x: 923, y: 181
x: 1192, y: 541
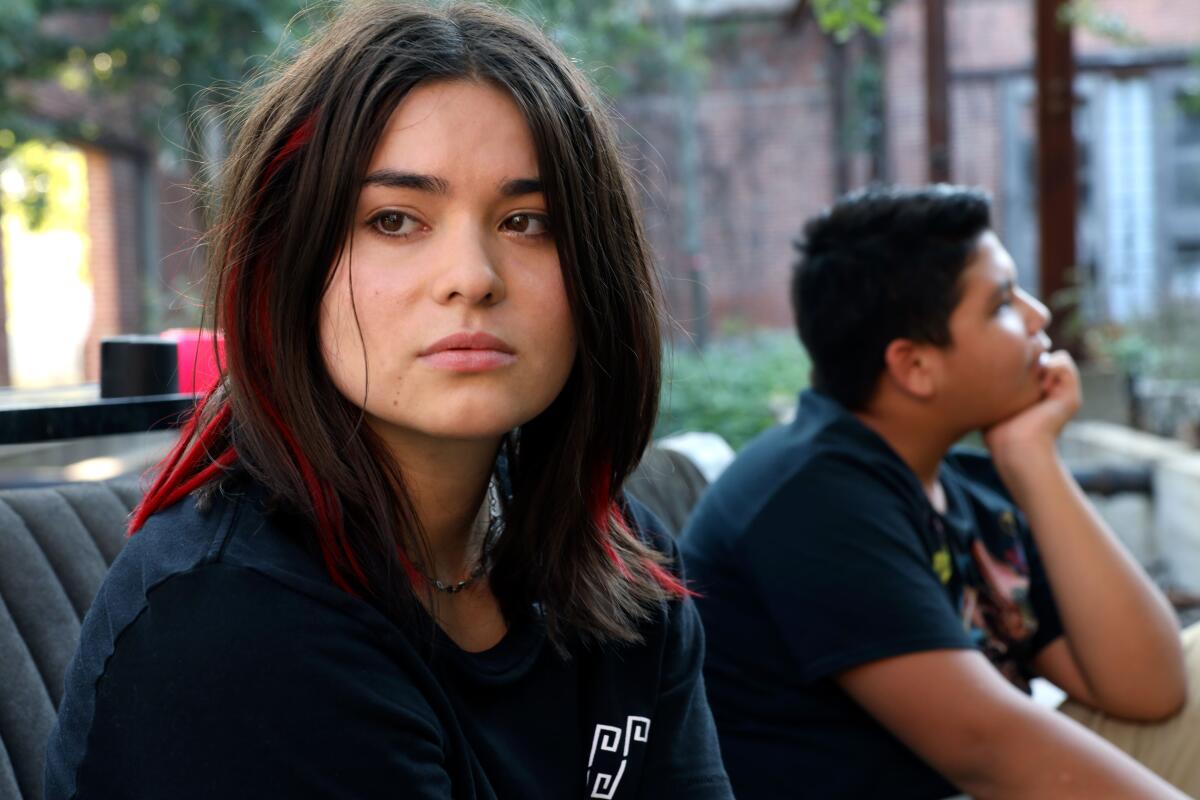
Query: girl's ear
x: 912, y: 368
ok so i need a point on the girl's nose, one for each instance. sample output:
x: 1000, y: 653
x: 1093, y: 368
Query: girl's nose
x: 467, y: 271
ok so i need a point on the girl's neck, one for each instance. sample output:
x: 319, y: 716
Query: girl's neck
x: 447, y: 482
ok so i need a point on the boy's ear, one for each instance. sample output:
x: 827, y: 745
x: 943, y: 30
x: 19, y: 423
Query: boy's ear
x: 911, y: 368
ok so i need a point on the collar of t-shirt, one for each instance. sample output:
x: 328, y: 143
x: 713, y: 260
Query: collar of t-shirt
x: 822, y: 422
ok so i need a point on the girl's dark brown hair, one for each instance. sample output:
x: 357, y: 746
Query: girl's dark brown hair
x: 286, y: 200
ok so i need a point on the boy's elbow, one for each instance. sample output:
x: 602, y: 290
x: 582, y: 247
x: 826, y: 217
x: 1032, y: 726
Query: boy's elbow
x: 1148, y: 703
x: 1174, y: 692
x: 1168, y: 696
x: 1161, y: 703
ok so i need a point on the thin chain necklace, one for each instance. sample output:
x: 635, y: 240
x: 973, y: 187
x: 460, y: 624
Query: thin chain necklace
x: 495, y: 525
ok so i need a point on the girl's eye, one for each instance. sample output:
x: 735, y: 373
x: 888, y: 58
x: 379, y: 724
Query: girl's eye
x: 527, y: 224
x: 394, y: 223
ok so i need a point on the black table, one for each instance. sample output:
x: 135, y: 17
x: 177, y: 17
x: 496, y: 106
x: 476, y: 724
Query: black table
x: 27, y: 416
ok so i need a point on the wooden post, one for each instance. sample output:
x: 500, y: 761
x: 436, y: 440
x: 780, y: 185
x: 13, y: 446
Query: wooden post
x: 937, y: 92
x: 839, y: 100
x: 1057, y: 182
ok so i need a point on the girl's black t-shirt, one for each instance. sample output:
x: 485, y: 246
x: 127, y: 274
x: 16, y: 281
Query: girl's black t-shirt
x: 219, y: 661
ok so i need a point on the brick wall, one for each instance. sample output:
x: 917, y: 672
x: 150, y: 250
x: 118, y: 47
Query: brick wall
x: 765, y: 139
x: 767, y: 142
x: 113, y: 229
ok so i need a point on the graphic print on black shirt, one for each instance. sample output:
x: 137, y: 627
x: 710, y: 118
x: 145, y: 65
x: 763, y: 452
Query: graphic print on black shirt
x: 993, y: 580
x: 1000, y: 611
x: 610, y: 754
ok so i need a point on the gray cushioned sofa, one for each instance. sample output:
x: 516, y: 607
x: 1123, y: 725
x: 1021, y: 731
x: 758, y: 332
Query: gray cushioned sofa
x: 56, y: 543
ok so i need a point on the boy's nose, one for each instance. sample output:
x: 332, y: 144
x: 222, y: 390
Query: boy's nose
x: 1037, y: 315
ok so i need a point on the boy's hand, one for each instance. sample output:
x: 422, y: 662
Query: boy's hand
x: 1038, y: 425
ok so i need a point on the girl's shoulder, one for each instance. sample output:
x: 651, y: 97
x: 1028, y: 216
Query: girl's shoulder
x: 215, y: 616
x: 228, y: 549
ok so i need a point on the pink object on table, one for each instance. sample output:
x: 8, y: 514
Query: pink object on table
x: 198, y: 368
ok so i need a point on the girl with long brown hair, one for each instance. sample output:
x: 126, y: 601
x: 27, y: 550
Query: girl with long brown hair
x: 390, y: 555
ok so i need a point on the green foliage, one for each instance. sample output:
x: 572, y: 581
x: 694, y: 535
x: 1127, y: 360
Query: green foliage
x: 43, y: 187
x: 736, y: 387
x: 842, y: 19
x: 174, y: 51
x: 170, y: 51
x: 183, y: 47
x: 23, y: 54
x: 1189, y: 97
x: 864, y: 118
x: 1159, y: 346
x: 1087, y: 15
x: 621, y: 46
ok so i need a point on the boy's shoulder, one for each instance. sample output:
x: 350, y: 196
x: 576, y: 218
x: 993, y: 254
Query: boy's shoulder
x: 826, y: 462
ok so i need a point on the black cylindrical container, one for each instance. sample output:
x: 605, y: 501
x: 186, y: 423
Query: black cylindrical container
x: 133, y: 366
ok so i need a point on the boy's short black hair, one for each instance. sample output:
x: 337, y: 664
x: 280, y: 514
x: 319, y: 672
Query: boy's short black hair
x: 880, y: 265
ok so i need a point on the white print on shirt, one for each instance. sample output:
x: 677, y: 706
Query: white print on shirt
x: 608, y: 739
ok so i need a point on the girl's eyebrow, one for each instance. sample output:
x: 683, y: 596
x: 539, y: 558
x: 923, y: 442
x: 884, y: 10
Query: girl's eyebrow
x: 521, y: 186
x: 398, y: 179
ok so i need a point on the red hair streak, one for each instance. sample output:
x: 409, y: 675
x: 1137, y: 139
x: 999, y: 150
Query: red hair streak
x: 299, y: 137
x: 181, y: 471
x: 605, y: 509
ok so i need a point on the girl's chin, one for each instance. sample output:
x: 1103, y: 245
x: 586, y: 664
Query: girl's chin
x: 462, y: 430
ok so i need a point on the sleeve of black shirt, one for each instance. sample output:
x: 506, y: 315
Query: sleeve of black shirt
x: 230, y: 685
x: 837, y: 559
x: 683, y: 759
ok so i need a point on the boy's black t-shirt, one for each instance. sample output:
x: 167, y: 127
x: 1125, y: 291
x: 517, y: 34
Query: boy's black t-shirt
x: 818, y: 551
x: 219, y: 661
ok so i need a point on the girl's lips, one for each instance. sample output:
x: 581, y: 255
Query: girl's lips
x: 468, y: 340
x: 468, y: 351
x: 468, y: 360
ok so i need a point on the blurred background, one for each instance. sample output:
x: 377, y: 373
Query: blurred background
x: 741, y: 119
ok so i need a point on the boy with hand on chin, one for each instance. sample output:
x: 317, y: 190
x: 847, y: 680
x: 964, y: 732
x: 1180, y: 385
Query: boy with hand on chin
x: 875, y: 603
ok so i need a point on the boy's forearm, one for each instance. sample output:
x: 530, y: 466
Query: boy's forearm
x: 1119, y: 627
x: 1041, y: 754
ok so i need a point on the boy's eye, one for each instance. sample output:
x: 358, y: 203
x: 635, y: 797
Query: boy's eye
x: 527, y: 224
